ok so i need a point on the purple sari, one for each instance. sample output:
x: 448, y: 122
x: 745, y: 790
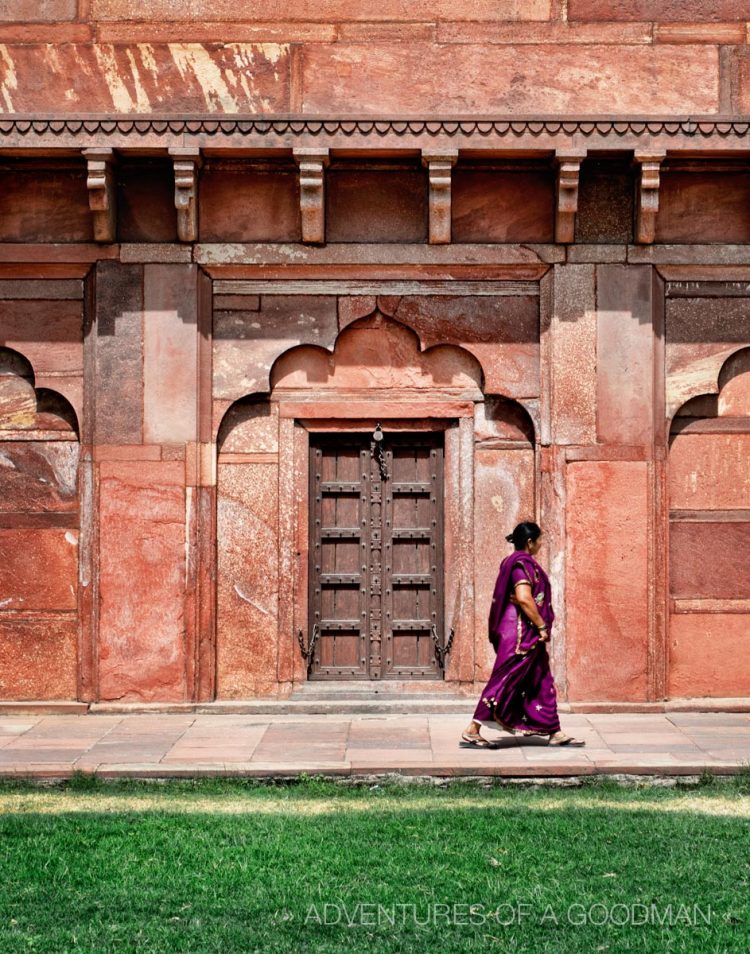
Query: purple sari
x: 520, y: 693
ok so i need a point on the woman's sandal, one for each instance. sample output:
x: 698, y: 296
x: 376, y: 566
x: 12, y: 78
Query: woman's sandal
x: 566, y: 740
x: 469, y: 739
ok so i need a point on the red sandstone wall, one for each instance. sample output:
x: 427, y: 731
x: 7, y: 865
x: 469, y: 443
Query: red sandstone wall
x: 491, y: 56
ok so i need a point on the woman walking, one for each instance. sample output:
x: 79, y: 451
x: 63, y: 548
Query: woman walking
x: 520, y: 695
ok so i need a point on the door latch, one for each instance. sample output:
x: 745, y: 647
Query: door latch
x: 376, y: 450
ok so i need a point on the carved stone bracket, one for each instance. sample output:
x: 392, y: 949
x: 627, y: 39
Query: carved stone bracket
x: 568, y: 172
x: 439, y: 166
x: 186, y: 165
x: 647, y: 205
x: 312, y: 197
x: 100, y: 182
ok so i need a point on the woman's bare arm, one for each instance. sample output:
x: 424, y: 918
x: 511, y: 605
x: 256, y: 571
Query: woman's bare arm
x: 525, y: 600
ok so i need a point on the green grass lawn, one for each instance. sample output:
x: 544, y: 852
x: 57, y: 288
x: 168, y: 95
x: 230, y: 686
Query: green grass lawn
x: 236, y: 866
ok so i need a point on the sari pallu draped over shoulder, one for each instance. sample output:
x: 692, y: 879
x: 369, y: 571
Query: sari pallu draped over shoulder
x: 541, y: 591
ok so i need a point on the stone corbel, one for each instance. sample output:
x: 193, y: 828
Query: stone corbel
x: 100, y: 182
x: 647, y: 200
x: 439, y: 169
x: 568, y: 172
x: 312, y: 193
x: 186, y: 165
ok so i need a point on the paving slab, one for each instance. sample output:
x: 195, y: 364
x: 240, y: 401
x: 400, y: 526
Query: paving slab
x: 153, y: 745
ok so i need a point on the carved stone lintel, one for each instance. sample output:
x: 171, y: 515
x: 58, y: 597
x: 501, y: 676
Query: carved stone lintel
x: 312, y: 197
x: 568, y: 172
x: 439, y: 166
x: 647, y: 202
x: 186, y: 165
x: 100, y: 182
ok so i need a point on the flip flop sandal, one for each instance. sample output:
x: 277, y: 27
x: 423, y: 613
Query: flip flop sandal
x: 567, y: 740
x: 468, y: 740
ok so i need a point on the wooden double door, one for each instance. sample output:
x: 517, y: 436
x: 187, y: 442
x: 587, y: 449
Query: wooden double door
x: 376, y: 556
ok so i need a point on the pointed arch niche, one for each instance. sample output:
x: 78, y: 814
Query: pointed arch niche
x: 709, y: 551
x: 375, y: 372
x: 39, y: 525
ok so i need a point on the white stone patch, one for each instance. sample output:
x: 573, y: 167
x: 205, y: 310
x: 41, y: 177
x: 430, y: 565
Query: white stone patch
x: 143, y: 103
x: 9, y: 80
x: 195, y: 58
x: 72, y: 538
x: 246, y: 598
x: 121, y: 98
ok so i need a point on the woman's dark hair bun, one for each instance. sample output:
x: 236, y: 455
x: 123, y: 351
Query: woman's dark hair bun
x: 523, y: 533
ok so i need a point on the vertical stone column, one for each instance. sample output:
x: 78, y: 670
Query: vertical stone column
x: 615, y: 572
x: 568, y: 421
x: 153, y: 477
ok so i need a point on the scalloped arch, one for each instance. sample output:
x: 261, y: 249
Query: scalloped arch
x: 378, y: 352
x: 23, y: 405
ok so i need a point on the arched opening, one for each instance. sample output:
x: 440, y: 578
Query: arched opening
x: 369, y: 550
x: 39, y: 525
x: 709, y: 491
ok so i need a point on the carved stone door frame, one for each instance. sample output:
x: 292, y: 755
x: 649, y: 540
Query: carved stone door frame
x: 298, y: 421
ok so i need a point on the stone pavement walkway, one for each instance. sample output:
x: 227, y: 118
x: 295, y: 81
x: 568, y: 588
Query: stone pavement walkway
x: 174, y: 745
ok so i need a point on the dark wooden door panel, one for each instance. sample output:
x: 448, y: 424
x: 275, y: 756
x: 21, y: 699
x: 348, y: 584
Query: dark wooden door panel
x: 376, y: 542
x: 414, y: 574
x: 338, y: 550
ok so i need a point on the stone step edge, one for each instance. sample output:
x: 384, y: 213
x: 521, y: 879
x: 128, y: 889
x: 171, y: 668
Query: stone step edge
x: 262, y: 706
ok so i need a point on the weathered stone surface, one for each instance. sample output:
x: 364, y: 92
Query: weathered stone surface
x: 503, y: 496
x: 145, y: 77
x: 730, y: 34
x: 607, y: 579
x: 327, y: 10
x: 378, y: 354
x: 573, y: 347
x: 238, y: 204
x: 17, y: 404
x: 555, y: 31
x: 485, y: 206
x: 248, y: 579
x: 734, y: 381
x: 39, y: 570
x: 247, y: 344
x: 660, y: 10
x: 502, y: 333
x: 142, y: 580
x: 250, y: 427
x: 721, y: 570
x: 38, y: 476
x: 119, y: 354
x: 701, y: 334
x: 708, y: 204
x: 700, y: 661
x: 625, y: 376
x: 38, y: 657
x: 710, y: 472
x: 605, y: 202
x: 378, y: 79
x: 48, y: 333
x: 43, y: 205
x: 170, y: 348
x: 37, y: 11
x: 145, y: 208
x: 376, y: 206
x: 497, y: 420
